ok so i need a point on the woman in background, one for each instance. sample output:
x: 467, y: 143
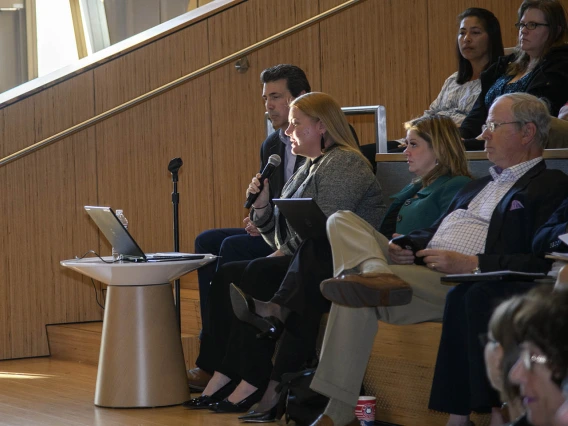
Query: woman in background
x: 478, y: 46
x: 539, y: 66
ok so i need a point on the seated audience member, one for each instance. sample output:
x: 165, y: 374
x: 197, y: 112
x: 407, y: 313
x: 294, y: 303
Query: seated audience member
x: 501, y: 352
x: 437, y: 157
x: 489, y: 226
x: 546, y: 239
x: 479, y: 45
x: 542, y: 328
x: 539, y: 66
x: 281, y: 84
x: 459, y: 385
x: 336, y: 176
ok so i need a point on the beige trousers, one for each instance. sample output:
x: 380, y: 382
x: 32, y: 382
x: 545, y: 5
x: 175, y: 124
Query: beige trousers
x: 350, y: 332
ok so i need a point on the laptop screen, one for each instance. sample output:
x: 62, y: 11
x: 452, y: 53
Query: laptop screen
x: 116, y: 234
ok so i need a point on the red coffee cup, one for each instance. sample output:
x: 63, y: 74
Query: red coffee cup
x: 365, y: 410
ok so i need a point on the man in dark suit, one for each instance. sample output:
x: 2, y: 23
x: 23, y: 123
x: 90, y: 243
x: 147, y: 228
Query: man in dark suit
x: 281, y: 84
x: 489, y: 226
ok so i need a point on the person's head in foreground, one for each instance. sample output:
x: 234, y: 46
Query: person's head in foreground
x: 541, y: 326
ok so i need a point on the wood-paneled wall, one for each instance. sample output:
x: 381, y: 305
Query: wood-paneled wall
x: 391, y: 52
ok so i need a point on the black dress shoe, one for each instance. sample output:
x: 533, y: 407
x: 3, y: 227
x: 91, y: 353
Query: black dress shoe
x: 204, y: 401
x: 243, y: 405
x: 245, y: 310
x: 260, y: 416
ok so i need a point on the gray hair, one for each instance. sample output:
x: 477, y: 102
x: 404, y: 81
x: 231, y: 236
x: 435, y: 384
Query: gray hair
x: 527, y: 108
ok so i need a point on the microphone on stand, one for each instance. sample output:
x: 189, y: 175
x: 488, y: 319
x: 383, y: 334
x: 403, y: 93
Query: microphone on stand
x: 273, y: 162
x: 173, y: 168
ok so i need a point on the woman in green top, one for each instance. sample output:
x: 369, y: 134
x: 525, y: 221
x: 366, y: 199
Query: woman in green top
x: 436, y: 156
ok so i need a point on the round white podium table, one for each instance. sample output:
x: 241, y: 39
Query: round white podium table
x: 141, y: 360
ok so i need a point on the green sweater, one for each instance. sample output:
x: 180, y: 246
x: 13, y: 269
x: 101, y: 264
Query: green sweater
x: 423, y: 210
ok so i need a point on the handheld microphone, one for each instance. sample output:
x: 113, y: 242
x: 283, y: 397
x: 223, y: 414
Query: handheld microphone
x: 273, y: 162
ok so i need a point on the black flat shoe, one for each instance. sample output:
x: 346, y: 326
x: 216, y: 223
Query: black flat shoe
x: 243, y: 405
x: 204, y: 401
x: 260, y: 416
x: 245, y: 310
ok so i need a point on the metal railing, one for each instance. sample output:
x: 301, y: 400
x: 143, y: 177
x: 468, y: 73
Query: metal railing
x: 378, y: 111
x: 169, y: 86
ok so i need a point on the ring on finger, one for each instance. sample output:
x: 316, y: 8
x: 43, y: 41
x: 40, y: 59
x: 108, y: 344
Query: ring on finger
x: 433, y: 266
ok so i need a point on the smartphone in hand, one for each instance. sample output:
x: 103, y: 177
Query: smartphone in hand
x: 408, y: 244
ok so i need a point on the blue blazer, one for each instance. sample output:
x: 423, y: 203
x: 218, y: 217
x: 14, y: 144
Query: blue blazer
x: 511, y: 232
x: 546, y: 239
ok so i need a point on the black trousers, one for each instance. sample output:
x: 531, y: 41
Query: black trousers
x: 251, y: 358
x: 460, y: 383
x: 231, y: 244
x: 266, y: 273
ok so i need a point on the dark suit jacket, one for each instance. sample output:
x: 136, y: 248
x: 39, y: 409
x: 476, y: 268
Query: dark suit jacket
x: 511, y: 232
x: 273, y: 145
x: 546, y: 239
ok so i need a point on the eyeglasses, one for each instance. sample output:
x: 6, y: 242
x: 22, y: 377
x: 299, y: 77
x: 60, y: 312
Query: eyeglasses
x: 529, y: 360
x: 492, y: 126
x: 529, y: 25
x: 485, y: 338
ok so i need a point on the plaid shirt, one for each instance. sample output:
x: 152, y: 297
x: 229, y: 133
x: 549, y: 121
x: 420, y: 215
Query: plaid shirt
x: 465, y: 231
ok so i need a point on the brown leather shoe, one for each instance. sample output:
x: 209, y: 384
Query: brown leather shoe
x: 359, y: 292
x: 325, y: 420
x: 197, y: 378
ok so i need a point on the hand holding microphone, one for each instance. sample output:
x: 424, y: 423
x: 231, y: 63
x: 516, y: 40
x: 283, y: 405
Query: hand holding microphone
x: 257, y: 192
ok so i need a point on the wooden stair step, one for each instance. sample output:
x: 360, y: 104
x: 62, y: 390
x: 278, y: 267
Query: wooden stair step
x: 190, y: 311
x: 81, y: 342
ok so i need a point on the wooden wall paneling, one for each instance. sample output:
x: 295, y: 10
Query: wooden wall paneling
x: 376, y: 63
x: 18, y: 131
x: 45, y: 198
x: 150, y: 67
x: 134, y: 150
x: 5, y: 346
x: 253, y: 21
x: 237, y: 117
x: 238, y: 160
x: 135, y: 147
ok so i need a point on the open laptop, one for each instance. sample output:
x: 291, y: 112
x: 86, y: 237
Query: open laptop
x: 122, y: 241
x: 303, y: 215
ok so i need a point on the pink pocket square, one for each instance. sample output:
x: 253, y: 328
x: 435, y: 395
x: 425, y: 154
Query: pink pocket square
x: 515, y: 205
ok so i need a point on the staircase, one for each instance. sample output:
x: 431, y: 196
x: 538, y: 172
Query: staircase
x: 81, y: 342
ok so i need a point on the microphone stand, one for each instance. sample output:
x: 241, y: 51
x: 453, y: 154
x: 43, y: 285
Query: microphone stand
x: 173, y: 168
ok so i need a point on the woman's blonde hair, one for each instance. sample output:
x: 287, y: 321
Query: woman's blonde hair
x: 444, y: 138
x: 322, y: 107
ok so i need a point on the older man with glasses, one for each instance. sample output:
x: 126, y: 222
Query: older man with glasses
x: 489, y: 226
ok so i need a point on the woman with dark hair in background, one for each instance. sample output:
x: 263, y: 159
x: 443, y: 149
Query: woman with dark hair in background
x: 478, y: 46
x: 539, y: 66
